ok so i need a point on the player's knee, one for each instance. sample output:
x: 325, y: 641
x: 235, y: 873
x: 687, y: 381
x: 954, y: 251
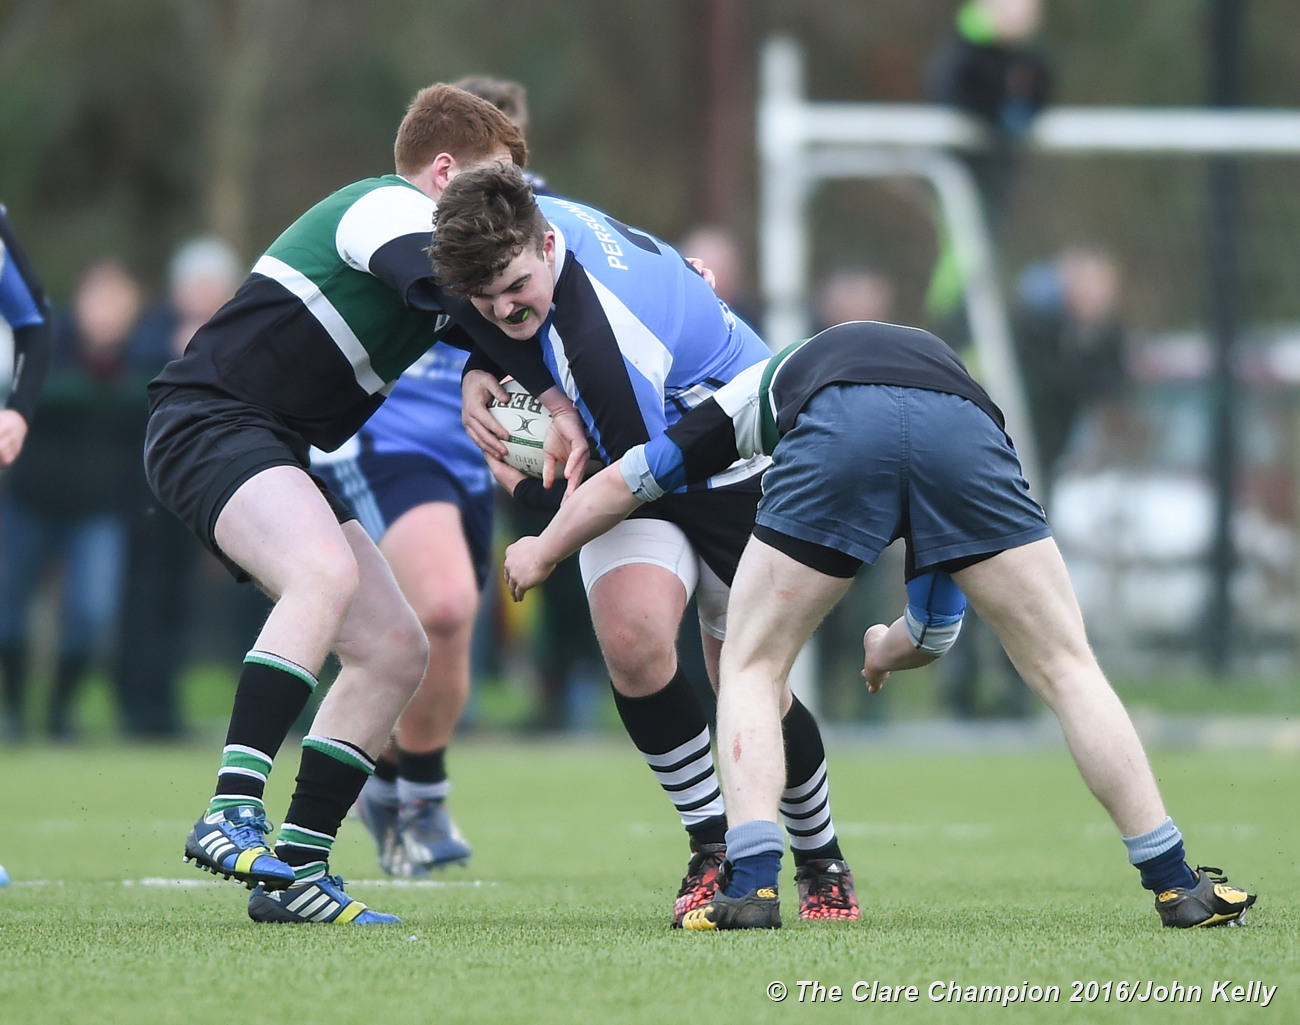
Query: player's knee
x: 638, y: 655
x: 448, y: 615
x: 404, y: 648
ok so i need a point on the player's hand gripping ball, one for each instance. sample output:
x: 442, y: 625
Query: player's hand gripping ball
x: 527, y: 420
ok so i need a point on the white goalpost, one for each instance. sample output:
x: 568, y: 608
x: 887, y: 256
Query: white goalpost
x: 804, y: 145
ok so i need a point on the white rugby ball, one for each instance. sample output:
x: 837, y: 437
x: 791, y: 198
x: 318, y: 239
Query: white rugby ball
x: 527, y: 420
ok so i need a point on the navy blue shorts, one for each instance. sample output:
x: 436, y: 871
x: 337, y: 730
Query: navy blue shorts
x: 381, y: 487
x: 865, y: 464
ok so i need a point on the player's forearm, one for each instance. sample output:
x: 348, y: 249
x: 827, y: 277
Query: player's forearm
x: 601, y: 502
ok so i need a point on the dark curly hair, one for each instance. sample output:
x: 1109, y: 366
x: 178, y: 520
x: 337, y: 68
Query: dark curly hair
x: 486, y: 217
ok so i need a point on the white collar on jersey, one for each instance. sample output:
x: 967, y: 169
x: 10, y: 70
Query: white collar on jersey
x: 561, y: 249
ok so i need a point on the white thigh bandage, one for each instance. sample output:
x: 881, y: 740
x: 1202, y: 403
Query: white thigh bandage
x: 659, y: 543
x: 655, y: 542
x: 711, y: 596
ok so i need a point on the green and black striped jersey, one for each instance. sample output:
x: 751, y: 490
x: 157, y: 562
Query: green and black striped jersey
x: 332, y: 313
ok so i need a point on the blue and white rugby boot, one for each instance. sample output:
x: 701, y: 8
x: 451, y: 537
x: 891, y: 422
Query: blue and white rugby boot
x: 380, y: 817
x: 232, y: 843
x: 429, y: 835
x: 320, y: 902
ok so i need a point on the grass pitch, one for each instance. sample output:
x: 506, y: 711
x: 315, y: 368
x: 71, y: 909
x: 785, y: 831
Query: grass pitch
x: 976, y: 869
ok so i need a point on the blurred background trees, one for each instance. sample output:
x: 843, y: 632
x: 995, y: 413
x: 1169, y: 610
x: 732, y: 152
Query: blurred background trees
x: 127, y: 127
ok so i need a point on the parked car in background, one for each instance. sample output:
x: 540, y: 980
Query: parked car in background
x: 1134, y: 506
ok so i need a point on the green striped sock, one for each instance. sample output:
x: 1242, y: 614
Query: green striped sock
x: 241, y: 780
x: 330, y: 777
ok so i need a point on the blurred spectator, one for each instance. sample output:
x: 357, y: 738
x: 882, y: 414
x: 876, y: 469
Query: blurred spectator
x: 163, y: 555
x: 990, y: 67
x: 1070, y: 343
x: 66, y: 503
x: 853, y: 292
x: 716, y: 247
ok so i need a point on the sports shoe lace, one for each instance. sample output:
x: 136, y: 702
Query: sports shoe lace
x: 1216, y: 874
x: 250, y: 832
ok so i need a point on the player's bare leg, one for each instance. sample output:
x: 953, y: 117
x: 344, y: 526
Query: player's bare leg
x: 431, y: 561
x: 636, y: 610
x: 280, y: 529
x: 1025, y: 595
x: 776, y: 603
x: 430, y: 557
x: 382, y: 654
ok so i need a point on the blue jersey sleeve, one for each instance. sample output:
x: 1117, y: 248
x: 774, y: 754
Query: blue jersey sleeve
x: 20, y: 306
x: 25, y: 308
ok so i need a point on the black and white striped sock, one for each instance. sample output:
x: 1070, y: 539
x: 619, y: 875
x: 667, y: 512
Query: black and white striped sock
x: 806, y: 802
x: 671, y: 731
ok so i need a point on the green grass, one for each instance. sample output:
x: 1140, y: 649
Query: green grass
x: 985, y: 869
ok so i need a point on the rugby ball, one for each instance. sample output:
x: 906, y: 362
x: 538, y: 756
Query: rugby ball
x: 527, y: 420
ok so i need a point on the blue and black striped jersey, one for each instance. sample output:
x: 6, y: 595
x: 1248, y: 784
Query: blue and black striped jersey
x: 636, y: 337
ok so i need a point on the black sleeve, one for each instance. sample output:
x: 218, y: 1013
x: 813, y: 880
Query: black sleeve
x: 494, y: 350
x: 706, y: 438
x: 530, y: 493
x: 403, y: 263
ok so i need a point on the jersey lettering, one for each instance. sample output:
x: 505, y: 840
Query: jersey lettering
x: 608, y: 243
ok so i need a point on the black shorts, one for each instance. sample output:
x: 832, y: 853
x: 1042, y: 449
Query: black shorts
x: 201, y: 446
x: 716, y: 521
